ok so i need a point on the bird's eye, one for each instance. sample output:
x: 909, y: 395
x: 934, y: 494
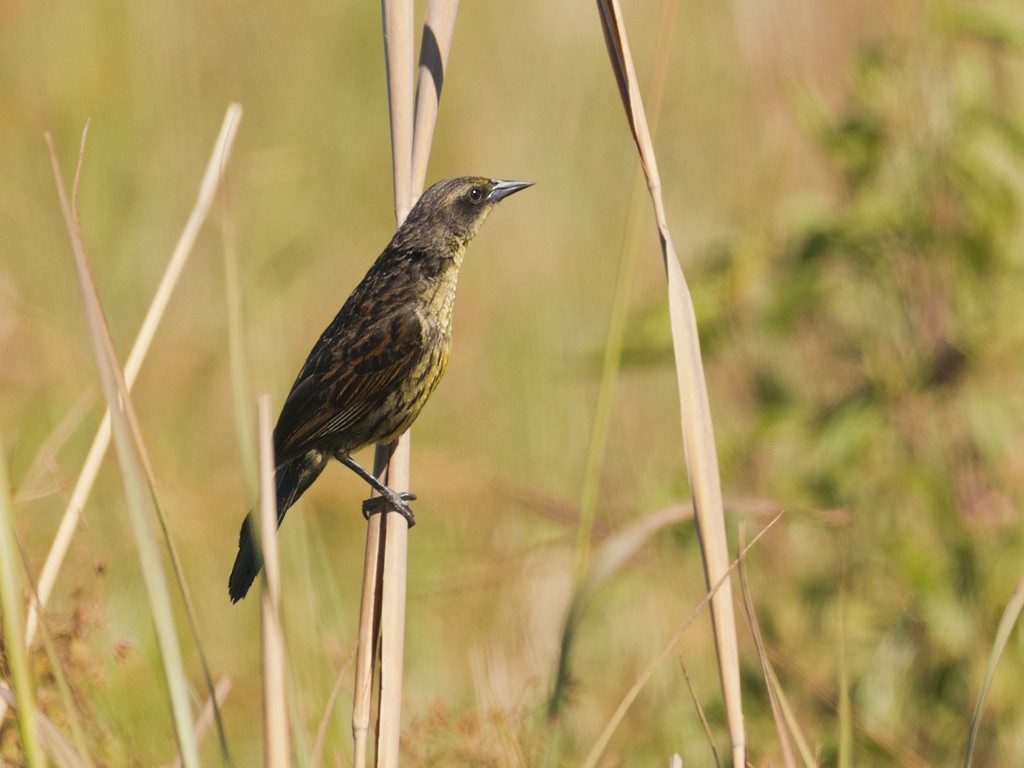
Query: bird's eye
x: 476, y: 194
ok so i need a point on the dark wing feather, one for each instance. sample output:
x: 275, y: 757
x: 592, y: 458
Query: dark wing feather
x: 343, y: 380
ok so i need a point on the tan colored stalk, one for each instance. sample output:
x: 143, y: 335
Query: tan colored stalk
x: 392, y: 634
x: 397, y: 17
x: 391, y: 463
x: 438, y: 28
x: 276, y: 752
x: 155, y: 313
x: 366, y: 644
x: 382, y: 612
x: 698, y: 436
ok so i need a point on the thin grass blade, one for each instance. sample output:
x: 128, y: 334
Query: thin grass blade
x: 589, y: 493
x: 206, y: 716
x: 844, y: 713
x: 40, y: 471
x: 155, y: 313
x: 698, y: 435
x: 325, y: 719
x: 1006, y: 624
x: 131, y: 463
x: 774, y: 693
x: 704, y: 724
x: 15, y: 650
x: 601, y: 743
x: 607, y: 561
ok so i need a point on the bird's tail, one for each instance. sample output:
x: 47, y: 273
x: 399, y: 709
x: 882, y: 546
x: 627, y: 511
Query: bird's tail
x: 292, y: 481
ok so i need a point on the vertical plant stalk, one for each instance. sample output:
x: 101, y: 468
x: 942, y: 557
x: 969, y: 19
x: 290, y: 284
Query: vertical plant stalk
x: 698, y: 435
x: 382, y: 611
x: 770, y: 680
x: 208, y: 714
x: 155, y: 313
x: 366, y: 645
x: 395, y: 531
x: 1009, y: 619
x: 397, y: 16
x: 438, y: 28
x: 391, y: 463
x: 276, y: 753
x: 127, y: 439
x: 844, y: 710
x: 15, y: 649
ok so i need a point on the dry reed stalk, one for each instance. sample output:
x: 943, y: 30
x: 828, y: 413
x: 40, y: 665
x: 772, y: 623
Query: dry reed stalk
x: 155, y: 313
x: 395, y: 532
x: 397, y: 18
x: 698, y: 435
x: 382, y: 612
x: 134, y: 465
x: 391, y: 463
x: 434, y: 47
x: 366, y: 644
x: 276, y: 751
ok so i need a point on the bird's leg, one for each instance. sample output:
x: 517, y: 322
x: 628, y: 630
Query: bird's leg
x: 395, y: 500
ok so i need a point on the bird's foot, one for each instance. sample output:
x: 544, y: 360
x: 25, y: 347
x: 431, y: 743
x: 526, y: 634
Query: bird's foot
x: 396, y: 501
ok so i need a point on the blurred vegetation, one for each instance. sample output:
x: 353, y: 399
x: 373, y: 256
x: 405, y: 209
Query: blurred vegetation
x: 845, y: 181
x: 872, y: 346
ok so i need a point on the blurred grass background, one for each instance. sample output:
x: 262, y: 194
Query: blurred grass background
x: 844, y: 181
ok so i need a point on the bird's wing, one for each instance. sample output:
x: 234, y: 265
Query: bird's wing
x: 343, y: 379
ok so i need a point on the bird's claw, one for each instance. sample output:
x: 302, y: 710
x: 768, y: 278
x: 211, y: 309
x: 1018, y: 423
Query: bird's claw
x: 397, y: 503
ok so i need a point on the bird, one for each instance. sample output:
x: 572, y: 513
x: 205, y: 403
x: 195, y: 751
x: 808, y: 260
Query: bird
x: 374, y: 367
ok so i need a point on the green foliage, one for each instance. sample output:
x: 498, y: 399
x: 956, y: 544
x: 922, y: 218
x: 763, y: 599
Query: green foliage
x: 881, y: 362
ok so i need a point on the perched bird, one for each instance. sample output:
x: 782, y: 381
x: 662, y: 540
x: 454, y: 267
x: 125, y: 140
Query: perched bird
x: 376, y: 364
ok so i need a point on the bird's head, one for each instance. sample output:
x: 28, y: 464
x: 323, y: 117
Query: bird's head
x: 455, y: 208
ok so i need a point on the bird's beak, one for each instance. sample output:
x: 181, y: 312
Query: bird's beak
x: 503, y: 189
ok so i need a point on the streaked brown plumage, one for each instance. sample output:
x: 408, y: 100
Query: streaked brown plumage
x: 376, y: 364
